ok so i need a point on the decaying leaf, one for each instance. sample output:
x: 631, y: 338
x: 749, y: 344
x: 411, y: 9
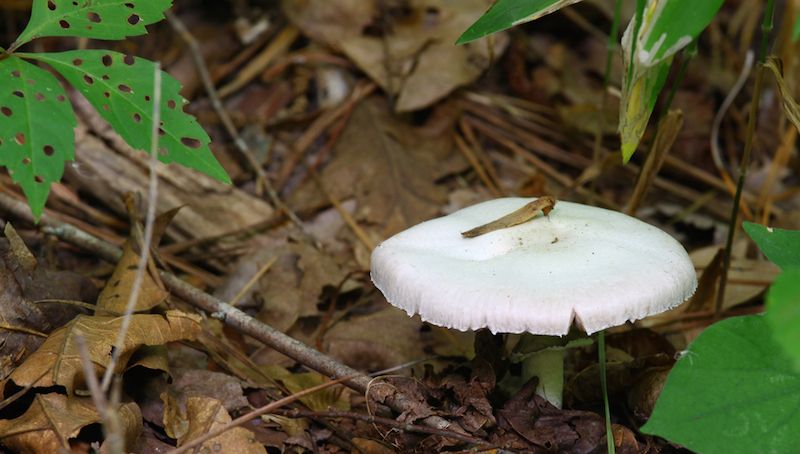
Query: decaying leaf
x: 58, y: 363
x: 292, y: 287
x: 376, y: 341
x: 25, y: 323
x: 388, y: 166
x: 332, y: 397
x: 205, y: 383
x: 53, y: 419
x: 115, y: 294
x: 526, y: 213
x: 409, y: 50
x: 790, y: 106
x: 202, y: 415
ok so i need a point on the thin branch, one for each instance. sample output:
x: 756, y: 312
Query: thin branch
x: 371, y: 419
x: 269, y: 408
x: 231, y: 316
x: 141, y: 266
x: 230, y: 127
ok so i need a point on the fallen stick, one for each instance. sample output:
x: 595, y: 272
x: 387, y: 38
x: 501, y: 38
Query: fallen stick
x: 232, y: 316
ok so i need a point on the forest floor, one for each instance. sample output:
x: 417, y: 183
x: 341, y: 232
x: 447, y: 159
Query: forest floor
x: 342, y: 123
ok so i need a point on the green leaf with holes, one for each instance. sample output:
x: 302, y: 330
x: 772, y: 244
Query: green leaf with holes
x: 36, y: 129
x: 508, y: 13
x: 97, y: 19
x: 120, y: 87
x: 733, y: 391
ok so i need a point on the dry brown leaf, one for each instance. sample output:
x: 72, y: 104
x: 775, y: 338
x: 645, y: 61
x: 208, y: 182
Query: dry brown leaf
x: 114, y: 297
x: 407, y: 48
x: 202, y: 415
x: 335, y: 397
x: 53, y: 419
x: 376, y: 341
x: 388, y: 166
x: 292, y: 287
x: 747, y: 278
x: 212, y: 208
x: 367, y: 446
x: 23, y: 323
x: 59, y: 360
x: 205, y: 383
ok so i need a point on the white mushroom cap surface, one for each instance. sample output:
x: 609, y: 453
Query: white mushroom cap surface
x: 594, y: 267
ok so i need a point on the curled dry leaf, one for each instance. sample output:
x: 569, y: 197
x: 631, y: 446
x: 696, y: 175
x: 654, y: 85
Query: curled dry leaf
x: 201, y: 415
x: 114, y: 297
x: 58, y: 362
x: 53, y: 419
x: 409, y: 51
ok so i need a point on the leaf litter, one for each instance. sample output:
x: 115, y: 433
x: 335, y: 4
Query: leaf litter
x: 525, y: 104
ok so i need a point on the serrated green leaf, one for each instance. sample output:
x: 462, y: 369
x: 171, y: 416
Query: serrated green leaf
x: 733, y: 391
x: 508, y: 13
x: 36, y: 129
x: 670, y: 25
x: 97, y: 19
x: 781, y: 246
x: 783, y: 313
x: 120, y: 87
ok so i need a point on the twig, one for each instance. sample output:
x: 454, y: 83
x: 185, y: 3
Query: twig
x: 256, y: 413
x: 752, y: 121
x: 111, y: 424
x: 230, y: 127
x: 231, y: 316
x: 371, y: 419
x: 150, y: 217
x: 243, y: 291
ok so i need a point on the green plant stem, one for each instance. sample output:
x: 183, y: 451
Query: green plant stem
x: 766, y: 28
x: 611, y: 48
x: 601, y: 357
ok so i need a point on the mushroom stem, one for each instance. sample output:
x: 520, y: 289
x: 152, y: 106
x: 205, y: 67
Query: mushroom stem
x: 548, y: 366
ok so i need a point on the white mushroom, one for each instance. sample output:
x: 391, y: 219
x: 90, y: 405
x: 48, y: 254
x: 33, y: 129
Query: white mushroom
x: 580, y: 265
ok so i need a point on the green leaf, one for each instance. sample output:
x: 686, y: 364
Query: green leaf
x: 783, y: 313
x: 781, y: 246
x: 638, y: 102
x: 36, y: 129
x: 98, y: 19
x: 670, y: 25
x: 796, y: 28
x: 733, y: 391
x: 508, y: 13
x: 120, y: 87
x: 667, y: 26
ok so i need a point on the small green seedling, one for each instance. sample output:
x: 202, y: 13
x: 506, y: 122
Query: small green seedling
x: 37, y: 121
x: 657, y: 32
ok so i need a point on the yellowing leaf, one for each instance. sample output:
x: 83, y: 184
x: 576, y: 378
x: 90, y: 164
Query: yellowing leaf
x: 57, y: 362
x: 202, y: 415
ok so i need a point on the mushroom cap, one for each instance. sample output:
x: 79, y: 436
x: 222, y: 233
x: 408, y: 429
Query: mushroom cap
x: 592, y: 266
